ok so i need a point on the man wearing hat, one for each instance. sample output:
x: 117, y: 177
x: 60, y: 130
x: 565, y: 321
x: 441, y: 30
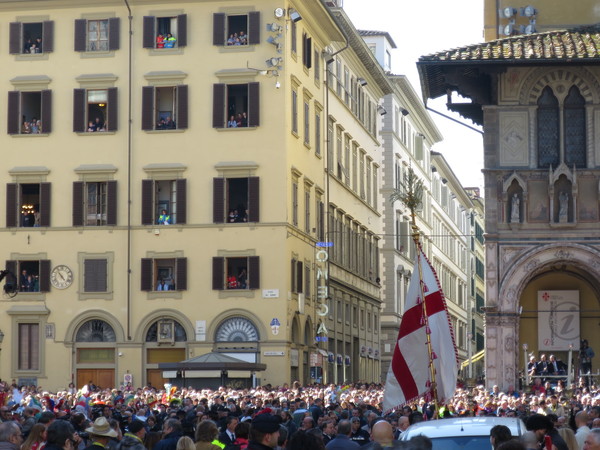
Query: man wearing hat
x: 264, y: 432
x: 134, y: 437
x: 100, y: 432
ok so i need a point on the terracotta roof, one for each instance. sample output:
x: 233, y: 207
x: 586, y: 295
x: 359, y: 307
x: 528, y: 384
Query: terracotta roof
x: 552, y: 46
x: 378, y: 33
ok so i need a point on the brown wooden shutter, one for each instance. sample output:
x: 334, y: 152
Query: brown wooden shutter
x: 181, y: 201
x: 114, y: 33
x: 253, y: 199
x: 44, y: 275
x: 80, y: 35
x: 48, y: 36
x: 299, y: 276
x: 181, y: 274
x: 146, y: 275
x: 253, y: 104
x: 218, y: 273
x: 111, y: 202
x: 182, y: 30
x: 219, y: 105
x: 308, y: 53
x: 147, y: 202
x: 219, y: 29
x: 13, y: 119
x: 148, y: 108
x: 254, y: 27
x: 78, y: 203
x: 79, y: 112
x: 45, y: 204
x: 95, y: 275
x: 293, y: 283
x: 149, y: 37
x: 321, y: 220
x: 11, y: 205
x: 13, y: 280
x: 182, y: 107
x: 46, y: 111
x: 14, y: 39
x: 253, y: 272
x: 113, y: 109
x: 218, y: 200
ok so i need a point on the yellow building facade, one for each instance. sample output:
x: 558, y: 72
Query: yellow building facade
x: 143, y: 227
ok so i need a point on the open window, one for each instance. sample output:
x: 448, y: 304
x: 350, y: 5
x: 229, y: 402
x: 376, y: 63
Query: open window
x: 165, y: 107
x: 165, y: 32
x: 235, y: 200
x: 164, y: 202
x: 29, y: 112
x: 164, y: 274
x: 236, y: 29
x: 236, y: 105
x: 95, y: 110
x: 28, y: 205
x: 94, y: 203
x: 241, y: 272
x: 97, y: 35
x: 31, y: 275
x: 31, y: 37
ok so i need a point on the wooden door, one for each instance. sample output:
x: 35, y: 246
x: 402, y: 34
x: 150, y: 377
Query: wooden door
x: 155, y: 378
x: 104, y: 378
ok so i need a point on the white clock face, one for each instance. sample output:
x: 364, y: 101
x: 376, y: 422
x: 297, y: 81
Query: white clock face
x: 279, y: 12
x: 61, y: 277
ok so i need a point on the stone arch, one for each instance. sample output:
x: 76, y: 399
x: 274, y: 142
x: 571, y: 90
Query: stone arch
x: 533, y: 263
x: 92, y: 314
x: 149, y: 319
x: 309, y: 335
x: 539, y: 78
x: 295, y: 334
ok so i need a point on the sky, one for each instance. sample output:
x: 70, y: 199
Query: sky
x: 419, y: 28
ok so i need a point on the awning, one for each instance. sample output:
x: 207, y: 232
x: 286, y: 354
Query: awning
x: 476, y: 357
x: 323, y: 352
x: 212, y: 361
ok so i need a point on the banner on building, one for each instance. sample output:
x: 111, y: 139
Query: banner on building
x: 558, y: 320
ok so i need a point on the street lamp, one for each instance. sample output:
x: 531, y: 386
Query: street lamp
x: 525, y: 347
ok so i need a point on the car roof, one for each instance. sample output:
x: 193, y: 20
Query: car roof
x: 463, y: 426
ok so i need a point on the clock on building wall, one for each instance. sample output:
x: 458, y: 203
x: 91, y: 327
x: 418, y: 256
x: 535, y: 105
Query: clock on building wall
x: 61, y: 277
x: 237, y: 329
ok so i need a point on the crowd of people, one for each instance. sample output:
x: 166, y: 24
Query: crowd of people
x: 290, y: 417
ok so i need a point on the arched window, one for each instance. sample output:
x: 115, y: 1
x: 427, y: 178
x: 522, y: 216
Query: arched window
x: 237, y: 329
x: 574, y: 120
x: 548, y: 129
x: 95, y: 330
x: 152, y: 334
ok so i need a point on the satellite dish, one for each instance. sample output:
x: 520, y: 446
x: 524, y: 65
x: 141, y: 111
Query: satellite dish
x: 508, y: 29
x: 509, y: 12
x: 529, y: 29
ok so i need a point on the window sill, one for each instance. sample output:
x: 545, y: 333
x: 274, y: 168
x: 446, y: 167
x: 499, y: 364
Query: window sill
x: 30, y: 296
x: 295, y: 134
x: 97, y: 54
x: 236, y: 48
x: 307, y: 145
x: 235, y: 293
x: 179, y: 130
x: 236, y: 129
x: 165, y: 51
x: 95, y: 296
x: 153, y: 295
x: 94, y: 133
x: 20, y: 135
x: 31, y: 57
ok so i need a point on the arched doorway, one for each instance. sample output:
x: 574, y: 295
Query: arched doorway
x: 95, y: 354
x: 238, y: 337
x: 517, y: 317
x: 165, y: 342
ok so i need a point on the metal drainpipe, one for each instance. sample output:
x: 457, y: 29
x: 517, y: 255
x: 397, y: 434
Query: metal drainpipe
x: 129, y: 157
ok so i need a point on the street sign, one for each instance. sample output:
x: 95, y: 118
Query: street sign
x: 324, y: 244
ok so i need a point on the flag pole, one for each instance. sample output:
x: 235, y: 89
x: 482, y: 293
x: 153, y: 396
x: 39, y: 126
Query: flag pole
x: 416, y: 239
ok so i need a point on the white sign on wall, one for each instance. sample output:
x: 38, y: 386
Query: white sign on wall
x: 558, y: 320
x: 200, y: 330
